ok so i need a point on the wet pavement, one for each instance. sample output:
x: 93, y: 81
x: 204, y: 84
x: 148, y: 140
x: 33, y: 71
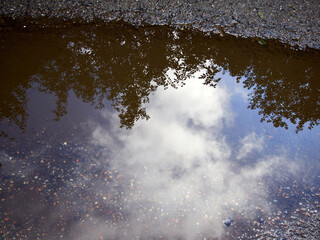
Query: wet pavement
x: 121, y: 132
x: 291, y: 21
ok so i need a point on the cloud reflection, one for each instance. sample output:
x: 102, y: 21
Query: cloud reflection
x: 250, y: 143
x: 177, y: 169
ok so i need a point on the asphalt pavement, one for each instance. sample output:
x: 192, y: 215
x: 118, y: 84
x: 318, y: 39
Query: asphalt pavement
x: 296, y: 22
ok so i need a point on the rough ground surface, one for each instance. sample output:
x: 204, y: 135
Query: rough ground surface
x: 296, y: 22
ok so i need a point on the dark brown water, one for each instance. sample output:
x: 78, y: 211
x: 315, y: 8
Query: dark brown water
x: 116, y: 132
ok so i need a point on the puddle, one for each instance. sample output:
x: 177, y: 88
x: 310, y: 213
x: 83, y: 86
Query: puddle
x: 116, y: 132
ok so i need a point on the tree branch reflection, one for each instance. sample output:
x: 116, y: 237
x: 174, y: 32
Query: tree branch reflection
x: 125, y: 65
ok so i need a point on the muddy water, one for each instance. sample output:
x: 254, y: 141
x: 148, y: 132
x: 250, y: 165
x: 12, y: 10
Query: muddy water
x: 116, y: 132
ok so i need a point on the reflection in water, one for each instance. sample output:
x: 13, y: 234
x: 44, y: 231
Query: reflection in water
x: 181, y: 168
x: 125, y: 65
x: 202, y: 166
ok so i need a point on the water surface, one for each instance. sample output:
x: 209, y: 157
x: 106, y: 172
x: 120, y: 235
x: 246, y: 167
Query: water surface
x: 116, y: 132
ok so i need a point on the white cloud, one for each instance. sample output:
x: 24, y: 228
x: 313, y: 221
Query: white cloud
x: 177, y: 175
x: 179, y: 166
x: 250, y: 143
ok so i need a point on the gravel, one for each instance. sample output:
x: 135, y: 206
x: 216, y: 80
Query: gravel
x: 296, y: 22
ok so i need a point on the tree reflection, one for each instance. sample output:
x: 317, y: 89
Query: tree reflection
x: 284, y: 84
x: 125, y: 64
